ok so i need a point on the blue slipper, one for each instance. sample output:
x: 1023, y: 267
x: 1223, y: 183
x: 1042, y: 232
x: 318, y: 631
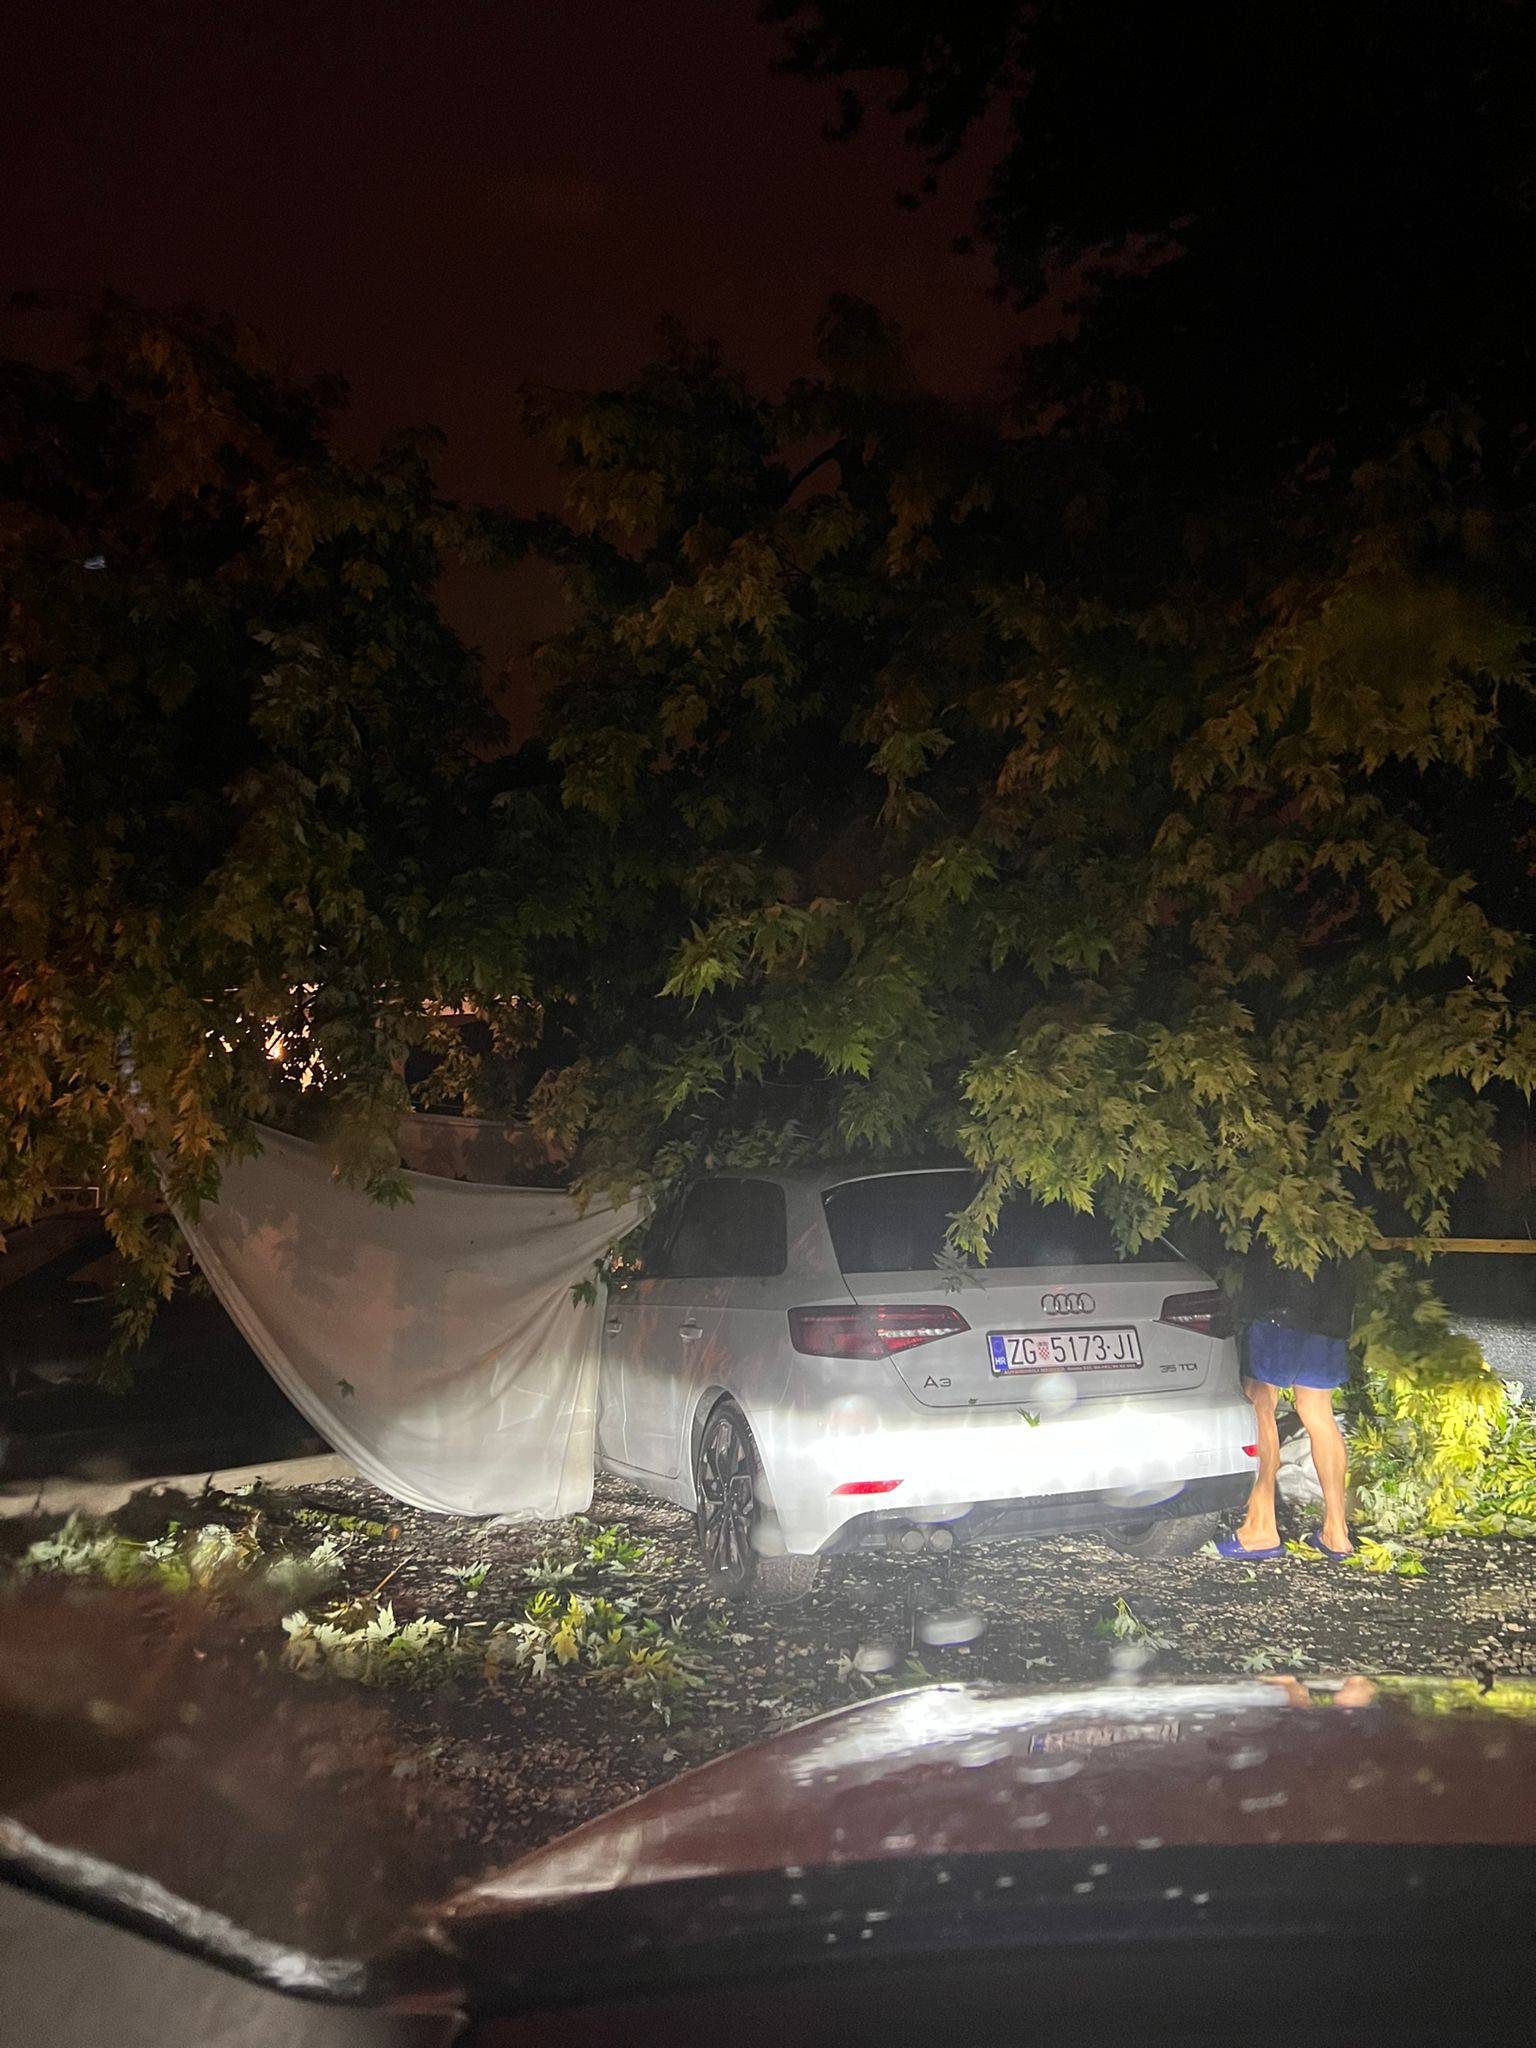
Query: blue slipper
x: 1314, y: 1541
x: 1228, y: 1546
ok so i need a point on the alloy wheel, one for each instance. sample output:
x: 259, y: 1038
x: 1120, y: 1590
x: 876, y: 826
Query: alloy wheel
x: 727, y: 1499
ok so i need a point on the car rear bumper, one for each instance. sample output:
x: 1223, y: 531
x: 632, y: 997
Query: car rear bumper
x: 1129, y: 1458
x: 1059, y: 1514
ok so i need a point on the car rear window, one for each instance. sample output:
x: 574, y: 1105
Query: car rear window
x: 896, y: 1224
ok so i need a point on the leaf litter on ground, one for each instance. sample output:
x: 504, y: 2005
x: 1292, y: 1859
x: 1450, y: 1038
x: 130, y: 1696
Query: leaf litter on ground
x: 523, y: 1743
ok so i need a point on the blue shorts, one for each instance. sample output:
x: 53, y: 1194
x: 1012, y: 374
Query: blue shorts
x: 1293, y: 1358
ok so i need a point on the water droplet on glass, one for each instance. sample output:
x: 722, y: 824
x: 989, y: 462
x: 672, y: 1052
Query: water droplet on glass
x: 1049, y: 1774
x: 977, y: 1755
x: 1129, y: 1660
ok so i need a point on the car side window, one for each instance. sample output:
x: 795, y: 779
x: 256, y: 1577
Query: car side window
x: 727, y: 1230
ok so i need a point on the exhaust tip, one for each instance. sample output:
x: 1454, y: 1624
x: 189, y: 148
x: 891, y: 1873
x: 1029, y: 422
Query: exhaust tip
x: 913, y: 1538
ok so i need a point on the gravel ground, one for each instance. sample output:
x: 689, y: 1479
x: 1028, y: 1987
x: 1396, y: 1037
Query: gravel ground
x: 538, y: 1758
x: 477, y: 1772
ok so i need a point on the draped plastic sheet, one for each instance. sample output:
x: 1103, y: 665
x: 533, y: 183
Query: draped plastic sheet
x: 435, y: 1344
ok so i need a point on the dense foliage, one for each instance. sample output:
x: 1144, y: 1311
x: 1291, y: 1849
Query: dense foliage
x: 1288, y: 227
x: 1128, y: 791
x: 1268, y: 255
x: 241, y: 822
x: 1159, y: 897
x: 1437, y: 1442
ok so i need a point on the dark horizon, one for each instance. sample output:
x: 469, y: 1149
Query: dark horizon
x: 441, y: 207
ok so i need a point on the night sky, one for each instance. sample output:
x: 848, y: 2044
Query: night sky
x: 445, y: 198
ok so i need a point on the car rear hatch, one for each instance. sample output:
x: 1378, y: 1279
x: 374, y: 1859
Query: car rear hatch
x: 1057, y: 1320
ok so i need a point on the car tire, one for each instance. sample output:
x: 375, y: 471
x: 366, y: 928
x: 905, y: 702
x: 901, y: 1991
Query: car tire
x: 728, y: 1482
x: 781, y: 1581
x: 1174, y: 1536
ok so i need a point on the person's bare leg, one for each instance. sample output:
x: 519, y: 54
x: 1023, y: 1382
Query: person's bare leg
x: 1330, y: 1460
x: 1258, y: 1529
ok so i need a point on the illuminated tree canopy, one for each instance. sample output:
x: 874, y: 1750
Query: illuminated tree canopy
x: 242, y: 820
x: 1125, y: 786
x: 1158, y: 896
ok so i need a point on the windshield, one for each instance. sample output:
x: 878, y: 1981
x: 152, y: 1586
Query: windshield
x: 643, y: 647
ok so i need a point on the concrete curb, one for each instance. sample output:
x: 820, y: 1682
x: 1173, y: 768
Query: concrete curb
x: 67, y: 1495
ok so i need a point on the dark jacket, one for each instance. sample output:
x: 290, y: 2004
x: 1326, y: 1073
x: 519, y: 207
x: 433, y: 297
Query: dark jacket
x: 1324, y: 1305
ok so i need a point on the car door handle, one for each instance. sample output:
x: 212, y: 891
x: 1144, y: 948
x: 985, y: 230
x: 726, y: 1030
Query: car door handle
x: 613, y: 1326
x: 688, y: 1331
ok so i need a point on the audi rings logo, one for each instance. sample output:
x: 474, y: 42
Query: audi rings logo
x: 1067, y: 1304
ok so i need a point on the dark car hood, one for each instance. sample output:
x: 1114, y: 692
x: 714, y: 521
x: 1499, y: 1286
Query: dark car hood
x: 954, y: 1770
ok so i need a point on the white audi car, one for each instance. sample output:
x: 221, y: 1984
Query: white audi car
x: 799, y: 1362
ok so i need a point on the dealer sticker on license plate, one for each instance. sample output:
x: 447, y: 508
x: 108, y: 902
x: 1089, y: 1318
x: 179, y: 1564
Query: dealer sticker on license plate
x: 1064, y: 1350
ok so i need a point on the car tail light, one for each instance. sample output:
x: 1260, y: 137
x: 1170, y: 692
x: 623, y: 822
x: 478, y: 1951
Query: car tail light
x: 877, y: 1332
x: 903, y: 1329
x: 834, y: 1333
x: 867, y: 1486
x: 1207, y: 1314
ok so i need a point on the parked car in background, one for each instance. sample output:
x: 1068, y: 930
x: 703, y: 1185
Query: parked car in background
x: 801, y: 1363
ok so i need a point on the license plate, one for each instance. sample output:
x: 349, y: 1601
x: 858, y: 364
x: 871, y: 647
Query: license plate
x: 1064, y: 1350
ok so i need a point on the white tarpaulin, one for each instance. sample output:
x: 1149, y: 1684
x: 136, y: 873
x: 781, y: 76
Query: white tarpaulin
x: 435, y: 1344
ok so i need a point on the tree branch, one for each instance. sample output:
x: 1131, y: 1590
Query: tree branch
x: 810, y: 469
